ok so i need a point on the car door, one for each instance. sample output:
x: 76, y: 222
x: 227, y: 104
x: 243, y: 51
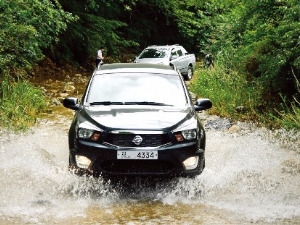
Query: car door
x: 177, y: 58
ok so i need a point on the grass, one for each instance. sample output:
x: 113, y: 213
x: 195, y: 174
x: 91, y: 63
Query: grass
x: 232, y: 96
x: 20, y: 104
x: 289, y: 117
x: 235, y: 98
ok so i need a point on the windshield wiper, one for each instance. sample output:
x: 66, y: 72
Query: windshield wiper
x: 146, y: 103
x: 107, y: 103
x: 129, y: 103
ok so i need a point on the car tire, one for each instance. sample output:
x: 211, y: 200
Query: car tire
x: 189, y: 74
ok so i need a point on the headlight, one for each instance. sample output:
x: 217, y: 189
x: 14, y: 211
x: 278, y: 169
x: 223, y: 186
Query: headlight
x: 186, y: 135
x: 88, y: 131
x: 85, y: 133
x: 187, y: 131
x: 189, y: 134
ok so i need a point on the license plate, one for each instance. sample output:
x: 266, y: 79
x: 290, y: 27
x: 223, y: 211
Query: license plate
x: 137, y: 155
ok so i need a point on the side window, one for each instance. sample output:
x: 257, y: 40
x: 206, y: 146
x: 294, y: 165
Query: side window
x: 179, y: 52
x: 173, y: 52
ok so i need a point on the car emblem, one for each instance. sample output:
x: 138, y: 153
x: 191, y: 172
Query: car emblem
x: 137, y: 140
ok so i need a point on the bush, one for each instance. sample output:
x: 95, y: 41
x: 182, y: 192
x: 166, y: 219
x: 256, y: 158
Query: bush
x: 20, y: 104
x: 29, y: 28
x: 231, y: 94
x: 235, y: 97
x: 291, y: 118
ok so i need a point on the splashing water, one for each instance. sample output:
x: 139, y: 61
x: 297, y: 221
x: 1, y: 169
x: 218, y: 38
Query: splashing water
x: 250, y: 175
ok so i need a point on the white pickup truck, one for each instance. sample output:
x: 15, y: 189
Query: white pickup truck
x: 169, y: 55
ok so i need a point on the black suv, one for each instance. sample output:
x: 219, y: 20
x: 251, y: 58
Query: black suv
x: 136, y: 120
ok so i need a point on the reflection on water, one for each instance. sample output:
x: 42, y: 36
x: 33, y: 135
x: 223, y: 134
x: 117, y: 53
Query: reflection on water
x: 248, y: 178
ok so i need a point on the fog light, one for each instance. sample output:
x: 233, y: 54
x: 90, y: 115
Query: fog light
x: 191, y: 163
x: 82, y: 161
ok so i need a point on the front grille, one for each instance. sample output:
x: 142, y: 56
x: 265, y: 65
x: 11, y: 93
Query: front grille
x: 149, y: 140
x: 136, y: 166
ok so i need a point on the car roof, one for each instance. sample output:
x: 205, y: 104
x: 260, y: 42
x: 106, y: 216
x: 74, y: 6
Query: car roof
x: 136, y: 67
x: 162, y: 46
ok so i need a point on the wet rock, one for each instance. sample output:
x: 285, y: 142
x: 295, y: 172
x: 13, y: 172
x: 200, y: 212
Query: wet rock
x: 44, y: 90
x: 217, y: 123
x: 203, y: 116
x: 69, y: 87
x: 234, y: 129
x: 63, y: 94
x: 193, y: 96
x: 67, y: 77
x: 53, y: 91
x: 291, y: 166
x: 78, y: 78
x: 49, y: 81
x: 55, y: 101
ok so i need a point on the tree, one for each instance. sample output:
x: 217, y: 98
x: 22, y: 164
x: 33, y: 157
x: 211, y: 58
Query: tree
x: 261, y: 39
x: 30, y: 27
x: 129, y: 26
x: 98, y: 25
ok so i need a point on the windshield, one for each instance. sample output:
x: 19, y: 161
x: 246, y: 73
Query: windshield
x: 153, y: 53
x: 140, y: 89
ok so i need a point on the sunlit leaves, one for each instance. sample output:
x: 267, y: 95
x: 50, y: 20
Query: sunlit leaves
x: 262, y: 40
x: 265, y: 33
x: 31, y: 26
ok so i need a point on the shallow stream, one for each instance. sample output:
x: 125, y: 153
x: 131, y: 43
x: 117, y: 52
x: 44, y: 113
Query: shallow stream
x: 252, y: 176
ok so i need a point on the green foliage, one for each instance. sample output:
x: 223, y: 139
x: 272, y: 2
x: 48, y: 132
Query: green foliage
x: 98, y: 25
x: 126, y: 27
x: 255, y: 44
x: 289, y: 114
x: 289, y: 117
x: 231, y: 94
x: 198, y: 21
x: 263, y: 39
x: 20, y: 104
x: 30, y: 26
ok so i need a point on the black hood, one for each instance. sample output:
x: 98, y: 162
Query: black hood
x: 154, y: 118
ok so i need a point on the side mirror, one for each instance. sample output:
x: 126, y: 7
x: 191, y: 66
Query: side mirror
x: 203, y: 104
x: 71, y: 103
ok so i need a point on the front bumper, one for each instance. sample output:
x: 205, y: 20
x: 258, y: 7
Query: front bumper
x: 104, y: 162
